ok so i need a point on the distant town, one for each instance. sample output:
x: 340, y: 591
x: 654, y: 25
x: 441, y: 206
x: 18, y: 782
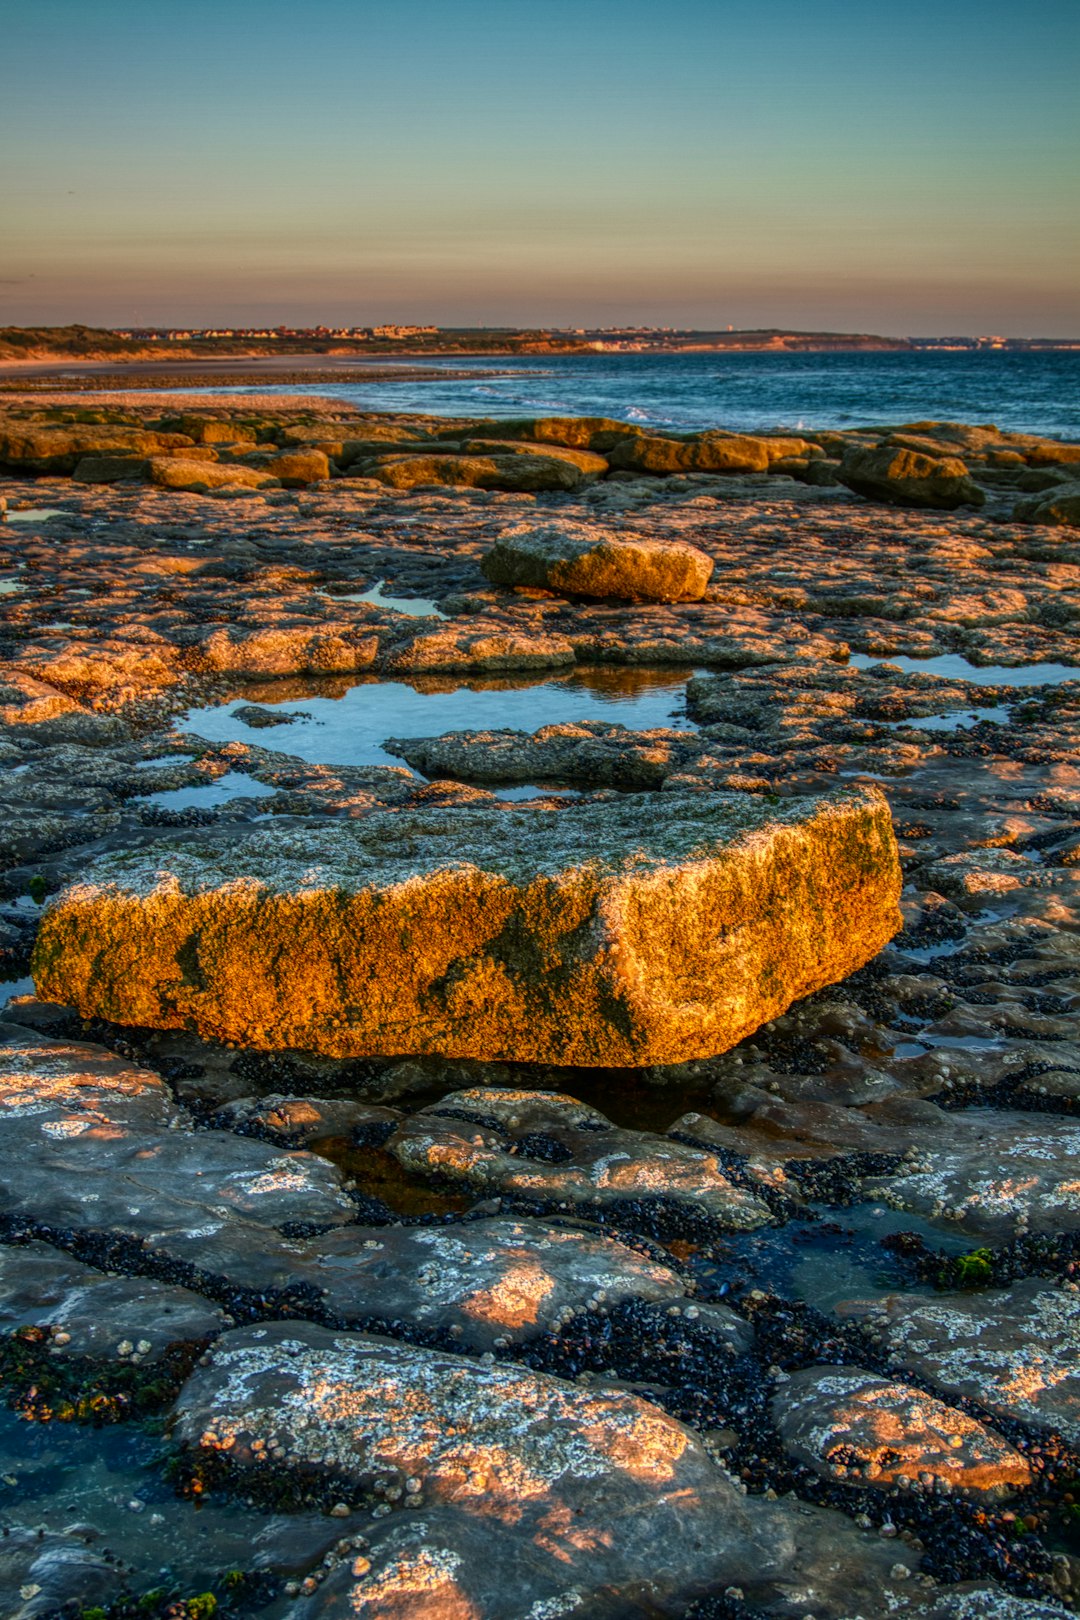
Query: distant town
x: 639, y: 339
x: 43, y: 344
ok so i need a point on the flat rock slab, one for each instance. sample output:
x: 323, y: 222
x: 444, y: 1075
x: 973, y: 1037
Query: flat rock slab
x: 588, y: 1484
x: 94, y: 1314
x: 992, y: 1173
x: 601, y: 934
x: 850, y: 1425
x: 588, y: 752
x: 90, y: 1144
x: 1016, y: 1350
x: 583, y: 559
x: 550, y: 1148
x: 480, y: 1284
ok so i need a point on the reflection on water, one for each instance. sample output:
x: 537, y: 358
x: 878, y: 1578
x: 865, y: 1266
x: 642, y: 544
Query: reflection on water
x: 35, y: 514
x: 414, y: 607
x: 956, y: 667
x: 207, y: 795
x: 957, y: 720
x: 345, y: 721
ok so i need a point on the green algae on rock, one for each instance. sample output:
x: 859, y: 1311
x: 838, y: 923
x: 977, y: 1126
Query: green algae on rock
x: 602, y: 934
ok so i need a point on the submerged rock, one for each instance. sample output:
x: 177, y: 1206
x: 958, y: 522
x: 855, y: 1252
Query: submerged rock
x: 595, y: 935
x: 46, y: 1574
x: 586, y: 560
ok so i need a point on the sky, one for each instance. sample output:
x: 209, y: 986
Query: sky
x: 701, y: 163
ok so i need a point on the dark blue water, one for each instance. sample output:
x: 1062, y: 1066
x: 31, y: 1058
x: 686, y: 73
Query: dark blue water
x: 1023, y: 392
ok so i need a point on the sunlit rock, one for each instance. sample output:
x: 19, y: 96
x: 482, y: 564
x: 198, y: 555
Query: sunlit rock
x: 580, y: 751
x: 596, y: 935
x: 582, y: 559
x: 296, y: 468
x: 1015, y: 1350
x: 909, y: 478
x: 847, y: 1424
x: 593, y: 1490
x: 509, y: 471
x: 1059, y: 507
x: 700, y: 452
x: 179, y: 472
x: 552, y: 1149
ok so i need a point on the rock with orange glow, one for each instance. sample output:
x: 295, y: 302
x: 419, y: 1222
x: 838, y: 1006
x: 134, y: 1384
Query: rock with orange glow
x: 713, y: 452
x: 59, y: 447
x: 559, y: 470
x: 181, y: 472
x: 592, y: 1490
x: 611, y: 933
x: 485, y: 1283
x: 1015, y: 1350
x: 551, y: 1148
x: 296, y: 468
x: 64, y: 1090
x: 850, y: 1425
x: 585, y: 559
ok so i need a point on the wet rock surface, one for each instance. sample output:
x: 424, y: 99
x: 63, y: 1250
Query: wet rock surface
x: 874, y: 1188
x: 577, y: 1480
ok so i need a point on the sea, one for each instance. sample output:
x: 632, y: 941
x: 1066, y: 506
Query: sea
x: 1023, y: 391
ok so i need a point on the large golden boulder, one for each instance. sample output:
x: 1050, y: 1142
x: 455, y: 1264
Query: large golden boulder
x: 618, y: 933
x: 584, y: 559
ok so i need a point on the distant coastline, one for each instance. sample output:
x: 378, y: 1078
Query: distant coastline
x: 27, y: 349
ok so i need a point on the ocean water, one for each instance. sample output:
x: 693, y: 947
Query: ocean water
x: 1023, y: 392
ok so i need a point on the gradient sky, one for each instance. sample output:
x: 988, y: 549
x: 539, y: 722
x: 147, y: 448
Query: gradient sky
x: 908, y: 169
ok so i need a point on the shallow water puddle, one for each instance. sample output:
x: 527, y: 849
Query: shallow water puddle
x: 207, y: 795
x: 955, y: 667
x: 956, y: 720
x: 9, y: 586
x: 10, y: 988
x: 826, y: 1262
x: 348, y: 726
x: 414, y: 607
x: 111, y: 1480
x: 36, y: 514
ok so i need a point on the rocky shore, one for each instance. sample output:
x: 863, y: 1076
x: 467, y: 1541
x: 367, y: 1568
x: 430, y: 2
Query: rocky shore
x: 593, y: 1169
